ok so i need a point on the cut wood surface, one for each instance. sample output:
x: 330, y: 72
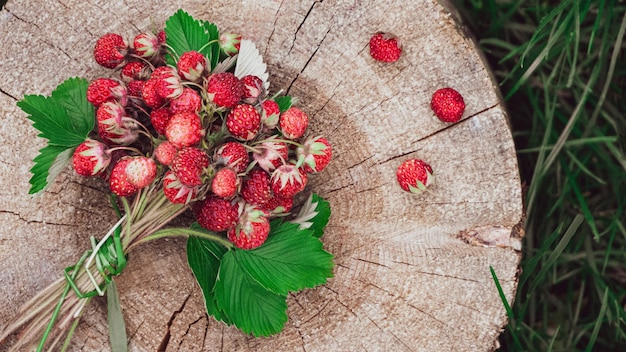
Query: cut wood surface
x: 412, y: 272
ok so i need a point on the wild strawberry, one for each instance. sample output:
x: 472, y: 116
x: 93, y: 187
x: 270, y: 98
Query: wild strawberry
x: 278, y: 205
x: 229, y: 43
x: 224, y: 89
x: 175, y: 191
x: 216, y: 214
x: 150, y: 94
x: 243, y: 122
x: 252, y: 88
x: 293, y: 123
x: 146, y: 45
x: 135, y: 70
x: 270, y: 113
x: 162, y: 37
x: 233, y: 155
x: 414, y: 175
x: 168, y: 86
x: 90, y: 158
x: 192, y: 65
x: 314, y: 154
x: 118, y: 182
x: 251, y: 230
x: 141, y: 171
x: 448, y: 105
x: 135, y: 87
x: 165, y: 152
x: 106, y: 89
x: 184, y: 130
x: 110, y: 50
x: 114, y: 127
x: 385, y: 47
x: 160, y: 118
x: 287, y: 180
x: 255, y: 188
x: 188, y: 101
x: 271, y: 154
x: 189, y: 164
x: 225, y: 182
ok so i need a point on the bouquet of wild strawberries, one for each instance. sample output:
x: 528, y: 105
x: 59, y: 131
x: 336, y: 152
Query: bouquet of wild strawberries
x: 190, y: 126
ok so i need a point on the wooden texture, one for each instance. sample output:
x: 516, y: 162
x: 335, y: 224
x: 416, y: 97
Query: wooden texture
x: 412, y: 272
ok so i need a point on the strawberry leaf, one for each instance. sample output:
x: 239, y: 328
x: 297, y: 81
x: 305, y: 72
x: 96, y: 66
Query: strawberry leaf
x: 290, y: 260
x: 313, y: 215
x: 284, y: 102
x: 52, y: 120
x: 72, y: 96
x: 184, y: 33
x: 252, y: 308
x: 213, y: 50
x: 51, y: 160
x: 204, y: 258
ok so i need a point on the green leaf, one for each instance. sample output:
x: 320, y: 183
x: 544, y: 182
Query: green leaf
x: 184, y: 33
x: 117, y: 327
x: 72, y: 96
x: 51, y: 119
x: 204, y: 258
x: 290, y: 260
x: 283, y: 102
x: 252, y: 308
x: 213, y: 50
x: 51, y: 160
x: 314, y: 215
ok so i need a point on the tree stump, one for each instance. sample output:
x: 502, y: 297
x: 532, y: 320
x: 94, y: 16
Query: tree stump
x: 412, y: 272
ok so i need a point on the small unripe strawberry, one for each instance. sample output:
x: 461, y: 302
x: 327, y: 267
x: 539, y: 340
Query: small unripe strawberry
x: 191, y: 66
x: 448, y: 104
x: 230, y: 43
x: 101, y: 90
x: 252, y: 88
x: 288, y: 180
x: 146, y: 45
x: 175, y: 191
x: 90, y: 158
x: 243, y: 122
x: 414, y: 175
x: 188, y: 101
x: 165, y: 153
x: 225, y: 183
x: 141, y: 171
x: 216, y: 214
x: 233, y: 155
x: 110, y: 50
x: 293, y: 123
x: 189, y: 164
x: 118, y: 182
x: 184, y: 130
x: 385, y: 47
x: 314, y: 154
x: 224, y: 89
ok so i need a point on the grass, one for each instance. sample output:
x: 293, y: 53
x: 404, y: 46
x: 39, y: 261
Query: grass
x: 562, y: 69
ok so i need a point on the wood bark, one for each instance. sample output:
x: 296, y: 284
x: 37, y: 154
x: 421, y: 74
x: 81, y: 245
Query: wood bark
x: 412, y: 272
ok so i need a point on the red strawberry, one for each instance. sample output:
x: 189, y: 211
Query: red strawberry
x: 135, y: 87
x: 160, y: 118
x: 233, y: 155
x: 225, y: 182
x: 270, y: 113
x: 255, y: 189
x: 90, y: 158
x: 184, y: 130
x: 252, y: 88
x: 150, y: 94
x: 251, y: 233
x: 135, y: 70
x: 229, y: 43
x: 175, y: 191
x: 414, y: 175
x: 293, y: 123
x: 224, y: 89
x: 385, y: 47
x: 114, y: 127
x: 141, y: 171
x: 110, y: 50
x: 146, y: 45
x: 287, y: 180
x: 448, y: 105
x: 278, y: 205
x: 162, y: 37
x: 314, y: 154
x: 165, y: 153
x: 118, y: 182
x: 168, y: 86
x: 106, y: 89
x: 188, y: 101
x: 189, y: 164
x: 192, y: 65
x: 216, y: 214
x: 271, y: 154
x: 243, y: 122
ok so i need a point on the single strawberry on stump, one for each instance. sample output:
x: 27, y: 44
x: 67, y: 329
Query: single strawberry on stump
x: 385, y: 47
x: 448, y: 104
x: 414, y: 175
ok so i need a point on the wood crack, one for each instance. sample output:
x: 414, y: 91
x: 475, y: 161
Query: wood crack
x: 41, y: 222
x: 168, y: 334
x: 4, y: 92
